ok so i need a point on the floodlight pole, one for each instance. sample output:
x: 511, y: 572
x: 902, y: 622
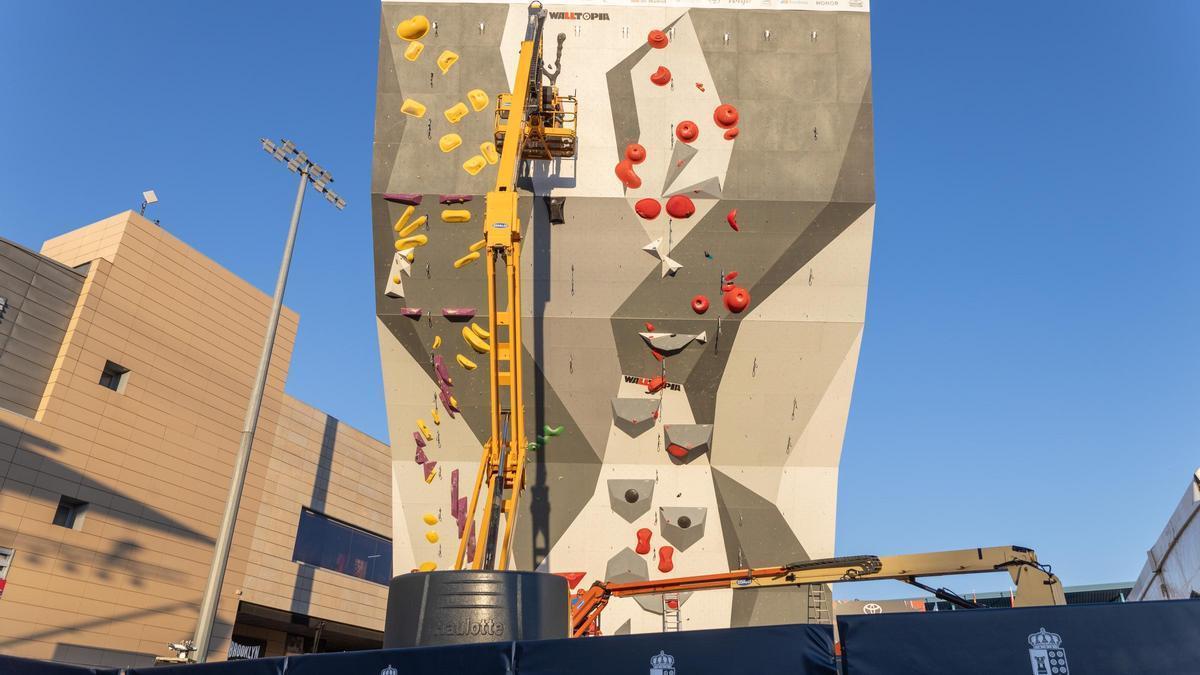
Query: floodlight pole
x: 216, y: 574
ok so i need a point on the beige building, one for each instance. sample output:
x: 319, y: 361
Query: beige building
x: 126, y: 362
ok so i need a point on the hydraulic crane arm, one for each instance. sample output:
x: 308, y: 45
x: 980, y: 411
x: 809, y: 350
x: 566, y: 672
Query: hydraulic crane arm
x: 1036, y: 585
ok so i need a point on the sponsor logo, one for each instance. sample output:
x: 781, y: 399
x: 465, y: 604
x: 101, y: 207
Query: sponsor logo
x: 634, y: 379
x: 580, y: 16
x: 470, y: 627
x: 1046, y: 655
x: 240, y: 651
x: 872, y: 608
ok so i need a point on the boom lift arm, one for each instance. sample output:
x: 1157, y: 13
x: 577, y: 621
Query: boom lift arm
x: 1036, y: 585
x: 531, y: 123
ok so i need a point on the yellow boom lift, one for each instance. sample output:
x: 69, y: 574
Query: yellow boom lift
x: 532, y: 123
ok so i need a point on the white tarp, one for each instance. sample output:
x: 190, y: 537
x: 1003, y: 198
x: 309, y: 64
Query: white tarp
x: 1172, y: 569
x: 809, y: 5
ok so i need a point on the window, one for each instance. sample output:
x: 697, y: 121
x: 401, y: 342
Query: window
x: 333, y: 545
x: 70, y: 513
x: 114, y: 376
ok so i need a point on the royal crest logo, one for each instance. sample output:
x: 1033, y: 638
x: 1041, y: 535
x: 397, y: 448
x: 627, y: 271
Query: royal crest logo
x: 662, y: 663
x: 1046, y: 655
x: 389, y: 670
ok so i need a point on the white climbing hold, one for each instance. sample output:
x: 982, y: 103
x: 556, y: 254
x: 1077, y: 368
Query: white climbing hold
x: 670, y: 266
x: 654, y: 248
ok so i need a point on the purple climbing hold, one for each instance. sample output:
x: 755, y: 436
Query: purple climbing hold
x: 455, y: 199
x: 408, y: 198
x: 458, y: 312
x: 411, y: 312
x: 417, y: 437
x: 421, y: 456
x: 450, y: 409
x: 439, y: 364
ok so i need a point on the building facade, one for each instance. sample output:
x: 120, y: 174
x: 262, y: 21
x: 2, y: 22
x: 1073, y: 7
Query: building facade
x: 126, y: 363
x: 1172, y: 568
x: 713, y: 139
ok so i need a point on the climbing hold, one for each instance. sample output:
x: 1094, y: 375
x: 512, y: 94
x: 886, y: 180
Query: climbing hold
x: 573, y: 578
x: 478, y: 246
x: 552, y: 431
x: 413, y: 51
x: 687, y: 131
x: 657, y: 39
x: 466, y: 363
x: 455, y: 215
x: 413, y: 28
x: 627, y: 176
x: 726, y: 116
x: 411, y: 242
x: 455, y: 112
x: 661, y: 77
x: 411, y: 312
x: 731, y: 276
x: 437, y: 341
x: 478, y: 99
x: 420, y: 441
x: 431, y: 536
x: 731, y: 134
x: 445, y: 60
x: 700, y: 86
x: 665, y: 562
x: 439, y: 366
x: 403, y: 219
x: 653, y: 248
x: 420, y: 457
x: 643, y: 541
x: 437, y: 418
x: 648, y: 208
x: 448, y: 401
x: 410, y: 198
x: 427, y: 566
x: 649, y: 326
x: 430, y: 519
x: 737, y: 299
x: 667, y: 343
x: 488, y: 150
x: 635, y: 153
x: 726, y: 287
x: 455, y: 199
x: 430, y: 468
x: 680, y: 206
x: 671, y: 266
x: 481, y: 331
x: 732, y: 220
x: 474, y: 165
x: 699, y: 304
x: 466, y: 260
x: 454, y: 313
x: 477, y: 343
x: 408, y: 229
x: 656, y: 384
x: 687, y: 440
x: 707, y: 255
x: 449, y: 142
x: 425, y: 430
x: 413, y: 108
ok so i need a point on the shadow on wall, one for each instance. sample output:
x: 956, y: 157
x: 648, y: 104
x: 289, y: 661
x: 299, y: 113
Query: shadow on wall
x: 96, y: 623
x: 83, y: 655
x: 303, y: 585
x: 119, y: 557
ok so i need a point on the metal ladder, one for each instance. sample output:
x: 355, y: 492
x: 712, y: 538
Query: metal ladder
x: 818, y: 606
x: 671, y: 621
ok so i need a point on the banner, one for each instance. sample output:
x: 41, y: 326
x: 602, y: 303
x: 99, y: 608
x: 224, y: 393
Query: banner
x: 810, y: 5
x: 1136, y: 637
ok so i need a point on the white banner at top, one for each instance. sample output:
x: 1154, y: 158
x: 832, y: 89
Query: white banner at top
x: 809, y: 5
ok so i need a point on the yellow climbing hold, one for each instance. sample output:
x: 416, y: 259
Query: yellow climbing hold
x: 410, y: 256
x: 437, y: 418
x: 478, y: 99
x: 437, y: 341
x: 477, y: 343
x: 488, y: 149
x: 466, y: 260
x: 455, y: 215
x: 475, y: 164
x: 407, y: 230
x: 465, y: 362
x: 425, y: 430
x: 449, y: 142
x: 430, y: 519
x: 413, y: 51
x: 478, y: 246
x: 456, y: 112
x: 446, y: 59
x: 411, y: 242
x: 413, y: 28
x: 453, y: 402
x: 403, y: 220
x: 480, y: 331
x: 411, y: 107
x: 431, y: 536
x: 397, y: 279
x: 431, y: 475
x: 427, y: 567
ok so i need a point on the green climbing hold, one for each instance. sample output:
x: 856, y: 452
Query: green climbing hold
x: 553, y: 431
x: 530, y: 447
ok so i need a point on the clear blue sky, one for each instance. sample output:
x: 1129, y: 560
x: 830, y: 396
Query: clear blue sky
x: 1030, y: 367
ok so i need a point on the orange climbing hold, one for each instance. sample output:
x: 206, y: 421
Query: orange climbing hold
x: 665, y: 561
x: 699, y: 304
x: 726, y: 116
x: 680, y: 206
x: 661, y: 77
x: 643, y: 541
x: 635, y: 153
x: 648, y: 208
x: 657, y: 39
x: 656, y: 384
x: 737, y: 299
x: 573, y: 578
x: 687, y: 131
x: 732, y: 220
x: 731, y: 134
x: 627, y: 176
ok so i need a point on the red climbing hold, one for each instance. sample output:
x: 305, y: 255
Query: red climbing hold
x: 687, y: 131
x: 626, y: 175
x: 731, y: 134
x: 726, y: 116
x: 573, y: 578
x: 700, y: 86
x: 673, y: 603
x: 649, y: 327
x: 731, y: 276
x: 643, y: 541
x: 657, y: 39
x: 677, y: 451
x: 648, y: 208
x: 680, y: 206
x: 635, y: 153
x: 726, y: 287
x: 656, y: 384
x: 665, y: 564
x: 699, y: 304
x: 737, y: 299
x: 661, y: 77
x: 732, y: 220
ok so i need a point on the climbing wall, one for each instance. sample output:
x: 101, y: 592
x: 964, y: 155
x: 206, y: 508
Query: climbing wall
x: 692, y: 320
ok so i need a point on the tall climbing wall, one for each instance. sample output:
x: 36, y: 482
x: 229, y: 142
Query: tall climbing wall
x: 693, y: 312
